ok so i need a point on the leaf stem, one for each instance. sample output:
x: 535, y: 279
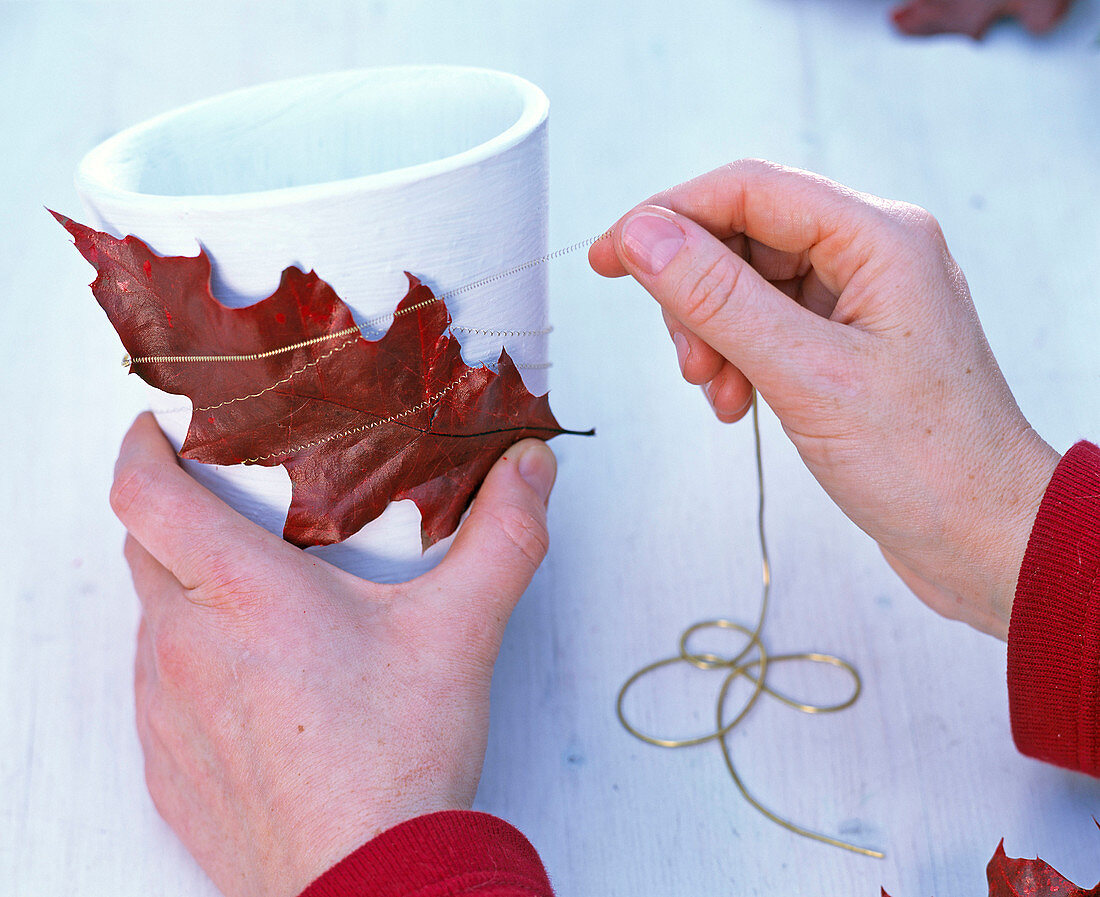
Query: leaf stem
x: 557, y: 431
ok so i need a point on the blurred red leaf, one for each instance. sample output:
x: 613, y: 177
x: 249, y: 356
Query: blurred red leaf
x: 357, y: 423
x: 975, y: 17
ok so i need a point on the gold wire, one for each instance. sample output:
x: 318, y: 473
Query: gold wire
x: 129, y: 361
x: 744, y: 665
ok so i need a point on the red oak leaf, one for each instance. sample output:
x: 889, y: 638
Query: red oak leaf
x: 357, y: 423
x: 1009, y: 877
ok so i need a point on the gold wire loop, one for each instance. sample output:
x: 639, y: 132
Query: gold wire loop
x: 720, y: 732
x: 752, y: 663
x: 707, y: 661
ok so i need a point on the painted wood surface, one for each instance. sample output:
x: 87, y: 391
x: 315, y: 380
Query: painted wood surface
x: 652, y: 522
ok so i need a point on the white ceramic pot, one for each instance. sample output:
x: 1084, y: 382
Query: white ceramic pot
x: 438, y: 170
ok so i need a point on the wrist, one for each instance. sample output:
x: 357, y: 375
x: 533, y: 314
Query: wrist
x: 329, y: 843
x: 1000, y: 528
x: 966, y: 568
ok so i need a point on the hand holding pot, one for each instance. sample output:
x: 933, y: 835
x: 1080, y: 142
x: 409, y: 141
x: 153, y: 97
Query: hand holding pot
x: 290, y: 711
x: 849, y: 315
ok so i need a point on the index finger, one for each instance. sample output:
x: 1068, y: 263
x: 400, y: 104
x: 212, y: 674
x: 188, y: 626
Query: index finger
x: 188, y: 529
x: 785, y: 208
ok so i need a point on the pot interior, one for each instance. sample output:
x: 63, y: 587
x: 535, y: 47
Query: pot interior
x: 313, y: 131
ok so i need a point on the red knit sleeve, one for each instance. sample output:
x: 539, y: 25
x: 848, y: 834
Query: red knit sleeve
x: 1054, y: 634
x: 440, y: 855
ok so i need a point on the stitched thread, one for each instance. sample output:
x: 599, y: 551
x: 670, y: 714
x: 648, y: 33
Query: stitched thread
x: 285, y: 379
x: 479, y: 332
x: 428, y: 402
x: 540, y: 366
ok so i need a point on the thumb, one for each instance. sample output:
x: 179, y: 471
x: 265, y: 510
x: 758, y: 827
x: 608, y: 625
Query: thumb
x: 504, y: 538
x: 716, y: 294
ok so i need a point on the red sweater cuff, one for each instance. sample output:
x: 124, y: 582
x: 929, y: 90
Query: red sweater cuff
x: 440, y: 855
x: 1054, y: 634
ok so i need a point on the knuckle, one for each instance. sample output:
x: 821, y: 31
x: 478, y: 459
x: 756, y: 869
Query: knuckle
x: 526, y: 534
x: 236, y: 612
x: 737, y: 168
x: 919, y: 220
x: 840, y: 382
x: 159, y: 790
x: 131, y: 486
x: 217, y: 576
x: 832, y: 376
x: 141, y: 707
x: 217, y: 580
x: 156, y: 728
x: 752, y: 164
x: 131, y: 550
x: 705, y: 292
x: 173, y: 659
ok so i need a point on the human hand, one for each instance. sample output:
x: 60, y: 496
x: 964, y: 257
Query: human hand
x: 849, y: 315
x: 290, y: 711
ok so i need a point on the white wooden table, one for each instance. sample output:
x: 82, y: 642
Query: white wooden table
x: 653, y: 520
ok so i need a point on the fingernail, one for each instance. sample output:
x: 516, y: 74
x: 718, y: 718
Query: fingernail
x: 539, y: 467
x: 652, y: 241
x: 748, y: 403
x: 708, y: 391
x: 683, y: 348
